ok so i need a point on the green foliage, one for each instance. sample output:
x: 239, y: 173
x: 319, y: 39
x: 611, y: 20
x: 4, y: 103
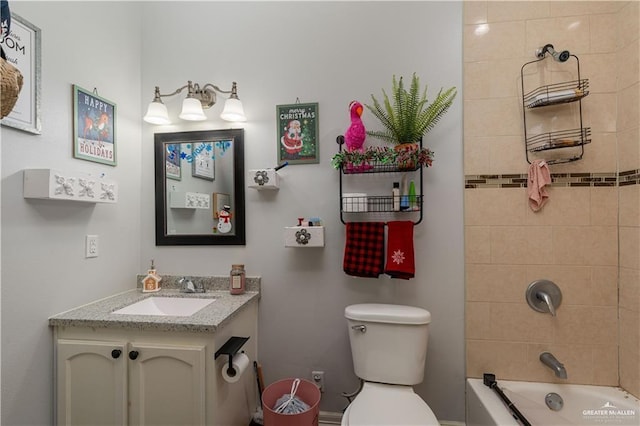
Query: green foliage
x: 411, y: 115
x: 383, y: 156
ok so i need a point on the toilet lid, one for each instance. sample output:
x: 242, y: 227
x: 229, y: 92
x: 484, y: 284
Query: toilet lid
x: 379, y: 404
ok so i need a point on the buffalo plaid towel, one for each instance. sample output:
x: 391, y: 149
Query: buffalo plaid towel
x: 364, y: 249
x: 400, y: 259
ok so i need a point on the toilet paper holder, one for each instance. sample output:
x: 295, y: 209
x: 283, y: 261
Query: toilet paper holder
x: 230, y: 348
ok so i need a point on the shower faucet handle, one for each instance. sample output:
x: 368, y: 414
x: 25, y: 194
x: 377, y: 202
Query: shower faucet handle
x: 544, y: 296
x: 547, y: 299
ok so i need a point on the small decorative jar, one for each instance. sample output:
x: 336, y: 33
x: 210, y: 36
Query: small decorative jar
x: 237, y: 279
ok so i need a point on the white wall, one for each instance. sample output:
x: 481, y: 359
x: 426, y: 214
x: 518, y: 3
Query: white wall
x: 43, y: 266
x: 330, y: 53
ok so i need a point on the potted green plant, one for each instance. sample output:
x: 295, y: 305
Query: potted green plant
x: 406, y: 116
x: 384, y: 158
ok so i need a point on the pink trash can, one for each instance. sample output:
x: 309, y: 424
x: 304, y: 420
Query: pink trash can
x: 307, y: 392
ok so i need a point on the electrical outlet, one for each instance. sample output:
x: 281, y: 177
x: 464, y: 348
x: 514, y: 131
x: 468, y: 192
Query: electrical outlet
x: 318, y: 379
x: 91, y: 246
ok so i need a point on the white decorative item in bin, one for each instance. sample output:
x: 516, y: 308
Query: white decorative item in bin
x: 75, y: 186
x: 354, y: 202
x: 263, y: 179
x: 304, y: 236
x: 189, y: 200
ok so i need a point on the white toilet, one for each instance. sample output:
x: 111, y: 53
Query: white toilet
x: 389, y: 346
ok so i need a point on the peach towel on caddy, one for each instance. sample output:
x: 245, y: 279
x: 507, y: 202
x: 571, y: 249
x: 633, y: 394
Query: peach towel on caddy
x: 539, y: 177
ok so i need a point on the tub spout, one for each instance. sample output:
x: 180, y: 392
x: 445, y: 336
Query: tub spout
x: 550, y: 361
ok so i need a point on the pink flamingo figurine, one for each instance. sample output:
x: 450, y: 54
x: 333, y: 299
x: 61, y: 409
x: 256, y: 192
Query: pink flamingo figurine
x: 355, y: 135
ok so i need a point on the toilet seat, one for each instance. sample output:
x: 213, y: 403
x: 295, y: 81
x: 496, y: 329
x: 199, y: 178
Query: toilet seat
x: 386, y: 405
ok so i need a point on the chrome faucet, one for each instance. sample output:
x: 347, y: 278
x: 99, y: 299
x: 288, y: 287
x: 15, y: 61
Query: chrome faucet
x: 187, y: 286
x: 550, y: 361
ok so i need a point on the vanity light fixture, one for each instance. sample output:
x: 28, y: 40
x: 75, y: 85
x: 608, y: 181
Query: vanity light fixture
x: 198, y: 98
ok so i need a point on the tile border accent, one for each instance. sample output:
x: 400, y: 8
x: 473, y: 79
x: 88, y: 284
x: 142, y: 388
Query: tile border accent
x: 628, y: 177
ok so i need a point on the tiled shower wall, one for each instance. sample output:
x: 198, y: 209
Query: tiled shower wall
x: 628, y: 125
x: 581, y: 239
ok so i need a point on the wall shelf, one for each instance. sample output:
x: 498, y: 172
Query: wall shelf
x: 262, y: 179
x: 363, y: 204
x: 50, y: 184
x: 189, y: 200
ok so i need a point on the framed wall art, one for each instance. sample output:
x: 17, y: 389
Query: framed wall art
x: 203, y: 160
x: 94, y: 127
x: 22, y: 49
x: 298, y: 133
x: 173, y: 161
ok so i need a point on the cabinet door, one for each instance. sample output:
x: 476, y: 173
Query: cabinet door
x: 91, y: 383
x: 166, y: 384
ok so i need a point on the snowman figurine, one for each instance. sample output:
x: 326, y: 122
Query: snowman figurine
x: 224, y: 220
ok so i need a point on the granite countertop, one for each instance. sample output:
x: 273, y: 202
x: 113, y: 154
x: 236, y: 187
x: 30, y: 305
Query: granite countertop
x: 208, y: 319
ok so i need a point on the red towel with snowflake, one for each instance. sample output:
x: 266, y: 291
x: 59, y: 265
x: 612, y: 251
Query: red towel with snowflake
x: 364, y: 249
x: 400, y: 258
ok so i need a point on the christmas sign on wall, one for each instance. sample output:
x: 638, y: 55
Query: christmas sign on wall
x: 298, y: 133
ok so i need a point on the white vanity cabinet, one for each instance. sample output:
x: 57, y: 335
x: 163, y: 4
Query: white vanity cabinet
x: 91, y: 382
x: 132, y: 376
x: 100, y: 378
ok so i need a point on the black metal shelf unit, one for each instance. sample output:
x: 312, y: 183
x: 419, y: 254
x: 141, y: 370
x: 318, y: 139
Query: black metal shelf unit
x: 379, y: 204
x: 556, y: 94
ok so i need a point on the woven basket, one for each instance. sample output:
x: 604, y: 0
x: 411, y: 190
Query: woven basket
x: 10, y: 87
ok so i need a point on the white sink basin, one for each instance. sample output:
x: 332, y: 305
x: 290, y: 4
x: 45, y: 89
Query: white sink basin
x: 168, y: 306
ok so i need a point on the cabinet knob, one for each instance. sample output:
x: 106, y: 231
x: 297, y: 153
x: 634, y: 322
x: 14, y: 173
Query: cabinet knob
x: 115, y: 354
x: 133, y: 354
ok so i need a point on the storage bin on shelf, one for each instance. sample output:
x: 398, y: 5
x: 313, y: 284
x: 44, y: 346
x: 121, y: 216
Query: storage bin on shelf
x: 263, y: 179
x: 304, y: 236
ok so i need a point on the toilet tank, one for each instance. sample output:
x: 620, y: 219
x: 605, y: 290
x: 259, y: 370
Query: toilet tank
x: 388, y: 342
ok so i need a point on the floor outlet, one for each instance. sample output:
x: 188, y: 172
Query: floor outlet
x: 91, y: 246
x: 318, y: 379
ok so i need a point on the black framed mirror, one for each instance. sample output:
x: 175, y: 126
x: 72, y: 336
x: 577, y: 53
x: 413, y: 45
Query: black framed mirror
x: 199, y: 186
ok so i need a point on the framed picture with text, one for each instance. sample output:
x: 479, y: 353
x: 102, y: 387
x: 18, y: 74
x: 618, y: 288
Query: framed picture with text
x: 94, y: 127
x: 22, y: 49
x: 203, y: 160
x: 298, y: 133
x: 173, y: 161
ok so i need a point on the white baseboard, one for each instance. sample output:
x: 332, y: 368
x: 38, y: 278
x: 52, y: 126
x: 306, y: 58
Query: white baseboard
x: 331, y: 418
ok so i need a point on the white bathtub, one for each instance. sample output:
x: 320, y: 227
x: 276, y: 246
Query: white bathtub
x: 583, y: 405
